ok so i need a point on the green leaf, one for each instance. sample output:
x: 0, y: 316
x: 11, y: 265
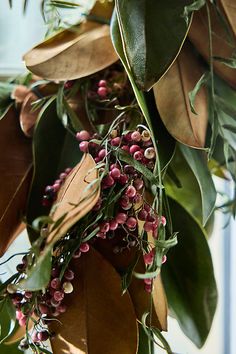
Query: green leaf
x: 39, y: 275
x: 188, y: 277
x: 152, y: 36
x: 146, y: 346
x: 192, y: 94
x: 5, y: 97
x: 54, y: 149
x: 230, y: 62
x: 197, y: 161
x: 231, y: 128
x: 195, y: 6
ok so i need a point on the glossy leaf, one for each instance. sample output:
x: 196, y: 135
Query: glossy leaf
x: 73, y: 54
x: 15, y: 175
x: 188, y: 278
x: 98, y: 319
x: 172, y: 100
x: 76, y: 197
x: 197, y: 162
x: 145, y: 31
x: 221, y: 40
x: 28, y: 115
x: 54, y: 150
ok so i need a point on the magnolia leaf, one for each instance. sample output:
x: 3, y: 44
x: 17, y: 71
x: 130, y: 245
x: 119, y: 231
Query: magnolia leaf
x: 140, y: 298
x: 101, y: 10
x: 172, y: 100
x: 54, y: 150
x: 221, y: 46
x: 76, y: 197
x: 15, y: 175
x: 98, y: 319
x: 28, y: 115
x: 73, y: 54
x: 188, y: 277
x: 197, y: 162
x: 228, y: 7
x: 145, y: 30
x: 19, y: 93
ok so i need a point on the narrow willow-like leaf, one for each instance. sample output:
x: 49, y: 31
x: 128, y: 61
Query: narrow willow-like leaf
x: 192, y: 94
x: 195, y: 6
x: 231, y: 62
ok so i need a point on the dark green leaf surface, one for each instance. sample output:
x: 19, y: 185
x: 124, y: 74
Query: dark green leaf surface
x: 54, y: 150
x: 188, y: 277
x: 152, y: 35
x: 197, y: 161
x: 5, y: 97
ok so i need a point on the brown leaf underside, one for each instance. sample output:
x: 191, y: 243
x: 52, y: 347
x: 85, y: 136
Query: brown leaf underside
x: 98, y: 320
x: 73, y: 54
x: 199, y: 36
x: 15, y: 176
x: 75, y: 199
x: 171, y: 94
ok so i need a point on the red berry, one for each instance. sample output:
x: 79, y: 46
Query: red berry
x: 131, y: 223
x: 77, y: 254
x: 43, y: 336
x: 102, y: 83
x: 125, y: 148
x: 108, y: 181
x: 129, y: 169
x: 83, y: 135
x: 104, y: 227
x: 55, y: 283
x: 84, y: 146
x: 19, y: 315
x: 130, y: 191
x: 134, y: 148
x: 163, y: 221
x: 102, y: 153
x: 138, y: 155
x: 63, y: 176
x: 102, y: 92
x: 84, y: 247
x: 101, y: 235
x: 22, y: 321
x: 121, y: 218
x: 138, y: 183
x: 148, y: 257
x: 148, y: 288
x: 123, y: 179
x: 142, y: 215
x: 116, y: 141
x: 59, y: 295
x: 148, y: 226
x: 113, y: 225
x: 44, y: 309
x: 148, y: 281
x: 164, y: 259
x: 114, y: 165
x: 69, y: 274
x: 115, y: 173
x: 147, y: 207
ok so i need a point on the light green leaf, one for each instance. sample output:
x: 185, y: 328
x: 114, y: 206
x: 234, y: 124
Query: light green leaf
x: 192, y: 94
x: 197, y: 161
x: 188, y: 278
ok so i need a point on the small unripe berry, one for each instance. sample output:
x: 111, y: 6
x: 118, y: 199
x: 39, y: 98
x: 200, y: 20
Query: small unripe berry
x: 84, y: 146
x: 67, y: 287
x: 136, y: 136
x: 149, y: 153
x: 145, y: 135
x: 11, y: 288
x: 113, y: 133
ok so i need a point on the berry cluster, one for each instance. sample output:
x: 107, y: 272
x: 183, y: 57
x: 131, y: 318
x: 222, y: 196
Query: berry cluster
x: 51, y: 191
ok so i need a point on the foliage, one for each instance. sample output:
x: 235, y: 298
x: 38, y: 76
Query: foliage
x: 160, y: 118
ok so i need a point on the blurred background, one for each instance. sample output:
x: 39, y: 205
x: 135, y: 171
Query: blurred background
x: 18, y: 33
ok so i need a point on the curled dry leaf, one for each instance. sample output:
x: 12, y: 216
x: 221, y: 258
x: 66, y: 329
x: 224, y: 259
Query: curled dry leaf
x: 171, y: 95
x: 221, y: 45
x: 140, y: 298
x: 15, y: 176
x: 19, y: 93
x: 28, y: 116
x: 73, y: 54
x: 99, y: 320
x: 76, y: 198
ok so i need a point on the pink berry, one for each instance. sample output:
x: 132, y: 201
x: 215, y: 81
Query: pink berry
x: 114, y: 165
x: 123, y: 179
x: 108, y: 181
x: 148, y: 281
x: 130, y: 191
x: 102, y: 83
x: 101, y: 235
x: 84, y: 146
x: 115, y: 173
x: 44, y: 309
x: 116, y: 141
x: 54, y: 302
x: 124, y: 201
x: 34, y: 336
x: 97, y: 159
x: 138, y: 155
x: 148, y: 257
x: 59, y: 295
x: 138, y: 184
x: 104, y: 227
x: 121, y: 218
x: 63, y: 176
x: 69, y: 274
x: 19, y: 315
x: 55, y: 283
x: 148, y: 226
x: 125, y: 148
x: 84, y: 247
x: 147, y: 207
x: 128, y: 136
x: 102, y: 92
x: 77, y: 254
x: 56, y: 187
x: 142, y: 215
x: 83, y: 135
x: 163, y: 221
x: 43, y: 336
x: 136, y: 136
x: 148, y: 288
x: 102, y: 153
x: 164, y: 259
x: 113, y: 225
x: 134, y: 148
x: 62, y: 308
x: 22, y: 321
x: 131, y: 223
x: 68, y: 170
